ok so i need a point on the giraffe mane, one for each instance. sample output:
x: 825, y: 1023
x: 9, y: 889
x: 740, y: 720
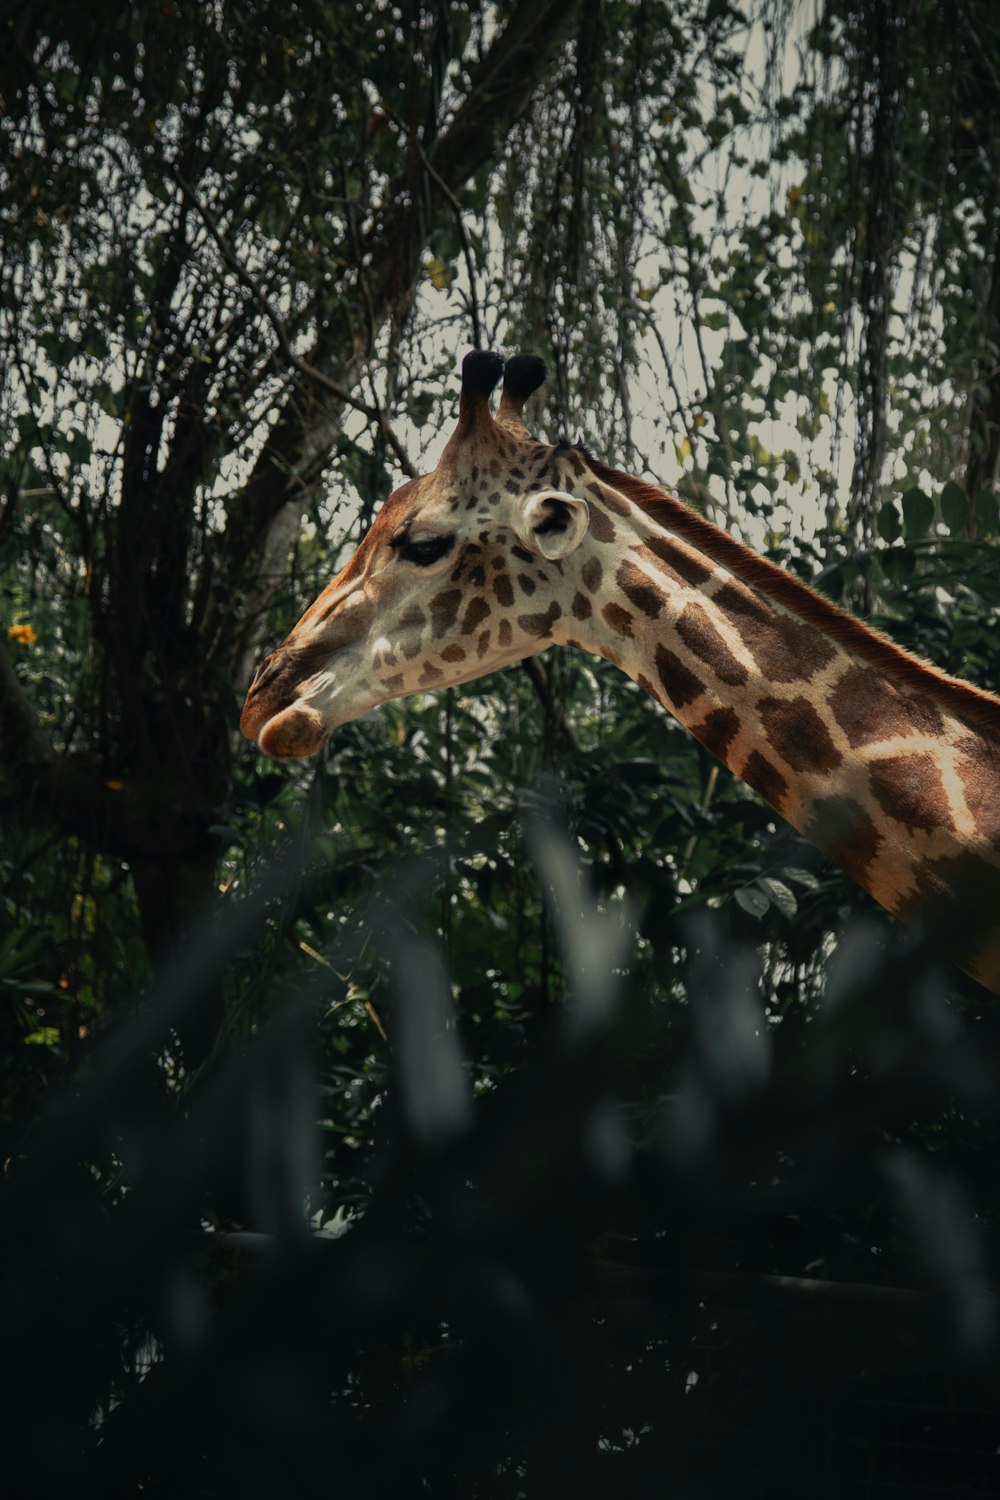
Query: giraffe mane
x: 974, y: 705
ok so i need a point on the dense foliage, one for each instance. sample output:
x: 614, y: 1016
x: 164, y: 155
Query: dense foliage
x: 242, y: 250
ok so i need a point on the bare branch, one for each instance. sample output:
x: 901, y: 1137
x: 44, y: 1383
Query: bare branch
x: 376, y: 414
x: 502, y: 87
x: 438, y: 180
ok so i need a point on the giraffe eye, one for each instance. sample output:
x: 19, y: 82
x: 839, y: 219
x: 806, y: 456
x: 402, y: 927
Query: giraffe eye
x: 425, y: 551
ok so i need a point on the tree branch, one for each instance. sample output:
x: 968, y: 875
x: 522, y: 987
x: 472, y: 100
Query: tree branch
x: 376, y: 414
x: 501, y: 88
x: 439, y: 182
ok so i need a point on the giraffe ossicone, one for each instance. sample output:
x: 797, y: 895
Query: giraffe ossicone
x: 510, y: 545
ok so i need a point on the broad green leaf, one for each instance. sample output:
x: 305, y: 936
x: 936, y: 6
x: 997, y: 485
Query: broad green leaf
x: 805, y: 878
x: 753, y: 900
x: 779, y: 894
x: 918, y: 512
x: 955, y: 508
x: 888, y: 524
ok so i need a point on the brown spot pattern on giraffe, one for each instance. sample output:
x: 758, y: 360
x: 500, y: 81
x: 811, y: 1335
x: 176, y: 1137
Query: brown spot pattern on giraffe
x: 794, y: 728
x: 582, y: 609
x: 394, y: 683
x: 679, y: 683
x: 910, y: 789
x: 505, y: 634
x: 454, y: 652
x: 843, y: 830
x: 765, y: 778
x: 619, y: 619
x: 430, y: 674
x: 601, y: 526
x: 476, y: 613
x: 785, y: 649
x: 540, y: 625
x: 592, y: 573
x: 979, y: 772
x: 527, y: 584
x: 718, y: 730
x: 614, y: 502
x: 640, y: 589
x: 869, y: 708
x: 444, y: 610
x: 504, y: 589
x: 679, y: 561
x: 696, y: 630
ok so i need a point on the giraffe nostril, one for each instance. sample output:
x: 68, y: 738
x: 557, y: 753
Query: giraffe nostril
x: 264, y: 673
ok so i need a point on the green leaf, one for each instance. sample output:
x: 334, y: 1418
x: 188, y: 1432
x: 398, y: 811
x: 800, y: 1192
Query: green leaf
x: 45, y: 1036
x: 986, y: 511
x: 955, y: 508
x: 889, y: 526
x: 805, y: 878
x: 779, y: 894
x: 918, y: 512
x: 753, y: 900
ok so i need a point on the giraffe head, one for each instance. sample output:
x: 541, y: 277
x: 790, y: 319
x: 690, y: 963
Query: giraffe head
x: 461, y: 572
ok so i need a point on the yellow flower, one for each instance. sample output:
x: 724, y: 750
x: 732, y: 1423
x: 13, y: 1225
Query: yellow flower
x: 23, y: 634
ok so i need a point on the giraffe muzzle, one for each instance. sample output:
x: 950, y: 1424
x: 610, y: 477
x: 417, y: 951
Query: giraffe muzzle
x: 274, y: 716
x: 296, y: 732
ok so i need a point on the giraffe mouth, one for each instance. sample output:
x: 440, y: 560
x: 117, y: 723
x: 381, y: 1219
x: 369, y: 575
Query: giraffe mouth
x: 292, y: 734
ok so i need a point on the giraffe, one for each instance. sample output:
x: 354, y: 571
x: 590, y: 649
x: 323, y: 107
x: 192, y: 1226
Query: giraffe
x: 888, y: 765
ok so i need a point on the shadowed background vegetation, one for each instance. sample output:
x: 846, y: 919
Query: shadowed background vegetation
x: 629, y: 1201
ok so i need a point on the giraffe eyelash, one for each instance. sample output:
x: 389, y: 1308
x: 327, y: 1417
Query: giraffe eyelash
x: 423, y: 551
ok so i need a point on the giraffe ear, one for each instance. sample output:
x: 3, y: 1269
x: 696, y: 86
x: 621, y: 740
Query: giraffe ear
x: 552, y: 522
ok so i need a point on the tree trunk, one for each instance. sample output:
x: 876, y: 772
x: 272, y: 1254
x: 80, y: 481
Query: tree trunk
x: 984, y: 404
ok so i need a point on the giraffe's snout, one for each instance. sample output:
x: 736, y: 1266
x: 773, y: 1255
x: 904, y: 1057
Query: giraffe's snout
x: 277, y: 712
x: 255, y: 711
x: 271, y: 692
x: 297, y: 731
x: 267, y: 670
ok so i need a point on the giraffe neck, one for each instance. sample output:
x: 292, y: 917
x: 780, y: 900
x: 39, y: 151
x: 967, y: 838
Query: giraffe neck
x: 893, y: 773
